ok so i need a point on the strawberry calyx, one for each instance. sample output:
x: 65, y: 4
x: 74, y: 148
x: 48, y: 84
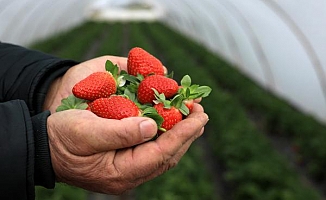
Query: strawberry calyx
x: 146, y: 109
x: 176, y: 102
x: 151, y: 112
x: 72, y: 102
x: 192, y: 91
x: 112, y: 68
x: 130, y: 82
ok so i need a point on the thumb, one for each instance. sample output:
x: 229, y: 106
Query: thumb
x: 126, y: 132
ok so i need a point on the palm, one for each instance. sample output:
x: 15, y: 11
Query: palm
x: 62, y: 87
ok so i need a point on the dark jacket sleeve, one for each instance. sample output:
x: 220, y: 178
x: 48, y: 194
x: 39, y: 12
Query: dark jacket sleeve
x: 25, y: 77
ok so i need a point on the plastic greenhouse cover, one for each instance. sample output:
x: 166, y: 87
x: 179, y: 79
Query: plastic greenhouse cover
x: 279, y: 44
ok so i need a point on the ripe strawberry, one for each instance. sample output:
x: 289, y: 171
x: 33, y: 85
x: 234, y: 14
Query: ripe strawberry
x: 170, y: 115
x: 114, y: 107
x: 96, y: 85
x: 162, y: 84
x: 142, y: 62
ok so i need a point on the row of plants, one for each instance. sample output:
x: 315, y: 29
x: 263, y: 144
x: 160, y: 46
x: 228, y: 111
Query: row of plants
x: 111, y: 43
x: 75, y: 43
x: 254, y: 170
x: 279, y: 117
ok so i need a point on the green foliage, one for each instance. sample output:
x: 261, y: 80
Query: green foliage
x: 72, y: 102
x: 61, y: 192
x: 188, y: 180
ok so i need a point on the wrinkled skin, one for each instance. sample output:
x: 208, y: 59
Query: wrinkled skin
x: 111, y: 156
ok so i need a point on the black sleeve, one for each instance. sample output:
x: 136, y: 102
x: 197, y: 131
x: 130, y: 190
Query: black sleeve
x: 16, y: 151
x: 25, y: 76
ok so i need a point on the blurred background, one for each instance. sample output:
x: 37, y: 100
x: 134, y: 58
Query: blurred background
x: 264, y: 59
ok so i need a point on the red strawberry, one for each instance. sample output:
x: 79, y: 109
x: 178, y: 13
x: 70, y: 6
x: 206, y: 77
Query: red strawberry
x: 162, y: 84
x: 114, y: 107
x: 96, y: 85
x: 142, y: 62
x: 170, y: 115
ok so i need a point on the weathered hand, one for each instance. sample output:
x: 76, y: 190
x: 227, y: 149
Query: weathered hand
x: 110, y: 156
x: 61, y: 87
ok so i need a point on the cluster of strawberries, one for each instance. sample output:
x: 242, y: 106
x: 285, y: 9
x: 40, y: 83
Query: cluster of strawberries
x: 142, y: 90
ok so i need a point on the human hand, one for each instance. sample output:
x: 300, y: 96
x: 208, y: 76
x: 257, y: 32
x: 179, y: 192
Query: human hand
x: 102, y: 155
x: 62, y: 86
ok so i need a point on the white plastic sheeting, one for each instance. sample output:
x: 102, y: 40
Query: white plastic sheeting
x: 280, y: 44
x: 103, y: 10
x: 23, y: 21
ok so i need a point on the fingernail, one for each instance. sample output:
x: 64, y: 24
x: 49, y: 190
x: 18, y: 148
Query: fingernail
x: 148, y: 129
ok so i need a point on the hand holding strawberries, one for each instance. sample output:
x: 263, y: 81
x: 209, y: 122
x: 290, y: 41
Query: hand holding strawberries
x: 112, y: 155
x: 100, y: 155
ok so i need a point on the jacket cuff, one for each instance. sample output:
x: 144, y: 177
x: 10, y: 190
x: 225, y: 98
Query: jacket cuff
x: 43, y: 171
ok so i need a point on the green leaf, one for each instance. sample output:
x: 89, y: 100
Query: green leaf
x: 152, y: 113
x: 131, y: 78
x: 123, y: 72
x: 177, y: 101
x: 112, y: 68
x: 184, y: 109
x: 72, y: 102
x: 130, y: 95
x: 195, y: 95
x: 188, y: 92
x: 205, y: 90
x: 158, y: 96
x: 186, y: 81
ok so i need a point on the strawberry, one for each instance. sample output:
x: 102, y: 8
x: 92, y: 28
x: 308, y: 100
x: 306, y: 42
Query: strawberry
x: 97, y: 85
x: 170, y: 115
x: 141, y: 62
x: 162, y: 84
x: 114, y: 107
x: 172, y: 111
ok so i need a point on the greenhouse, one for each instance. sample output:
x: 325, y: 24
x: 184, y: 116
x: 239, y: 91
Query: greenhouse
x: 264, y: 60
